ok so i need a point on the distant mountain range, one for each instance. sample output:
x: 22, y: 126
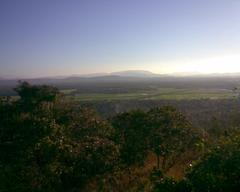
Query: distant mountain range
x: 129, y: 74
x: 147, y: 74
x: 136, y: 73
x: 128, y: 81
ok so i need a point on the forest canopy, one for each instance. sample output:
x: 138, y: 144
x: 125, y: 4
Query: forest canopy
x: 48, y: 143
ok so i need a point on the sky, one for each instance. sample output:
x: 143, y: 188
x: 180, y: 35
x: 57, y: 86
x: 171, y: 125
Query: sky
x: 63, y: 37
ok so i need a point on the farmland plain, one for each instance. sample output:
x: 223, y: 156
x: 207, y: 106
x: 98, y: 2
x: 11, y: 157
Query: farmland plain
x: 158, y: 94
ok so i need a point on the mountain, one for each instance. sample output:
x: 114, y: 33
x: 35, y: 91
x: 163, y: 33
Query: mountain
x: 128, y: 73
x: 117, y: 75
x: 90, y: 75
x: 135, y: 73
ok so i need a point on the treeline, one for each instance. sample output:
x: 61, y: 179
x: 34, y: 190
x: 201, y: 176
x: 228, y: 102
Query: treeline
x: 47, y: 143
x: 202, y: 113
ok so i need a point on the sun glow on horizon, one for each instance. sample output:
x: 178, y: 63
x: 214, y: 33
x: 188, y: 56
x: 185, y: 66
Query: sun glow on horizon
x: 216, y: 64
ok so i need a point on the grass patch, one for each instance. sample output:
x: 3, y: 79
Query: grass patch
x: 162, y: 93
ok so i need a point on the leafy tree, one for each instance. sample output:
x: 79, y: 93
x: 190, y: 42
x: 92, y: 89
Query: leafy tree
x: 93, y: 151
x: 27, y: 136
x: 86, y: 122
x: 171, y: 135
x: 42, y: 152
x: 36, y: 93
x: 219, y: 170
x: 131, y: 133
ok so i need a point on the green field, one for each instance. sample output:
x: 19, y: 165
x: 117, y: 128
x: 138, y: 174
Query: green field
x: 67, y: 91
x: 162, y: 94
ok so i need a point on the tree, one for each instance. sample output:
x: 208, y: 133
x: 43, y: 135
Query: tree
x: 41, y: 151
x: 131, y: 133
x: 171, y: 135
x: 219, y: 170
x: 31, y: 96
x: 93, y: 150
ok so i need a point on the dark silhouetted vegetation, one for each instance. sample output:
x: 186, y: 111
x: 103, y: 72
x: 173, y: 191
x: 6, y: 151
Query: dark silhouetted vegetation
x: 50, y: 143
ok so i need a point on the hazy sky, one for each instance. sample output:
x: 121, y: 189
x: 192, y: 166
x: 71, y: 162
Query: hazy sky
x: 62, y: 37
